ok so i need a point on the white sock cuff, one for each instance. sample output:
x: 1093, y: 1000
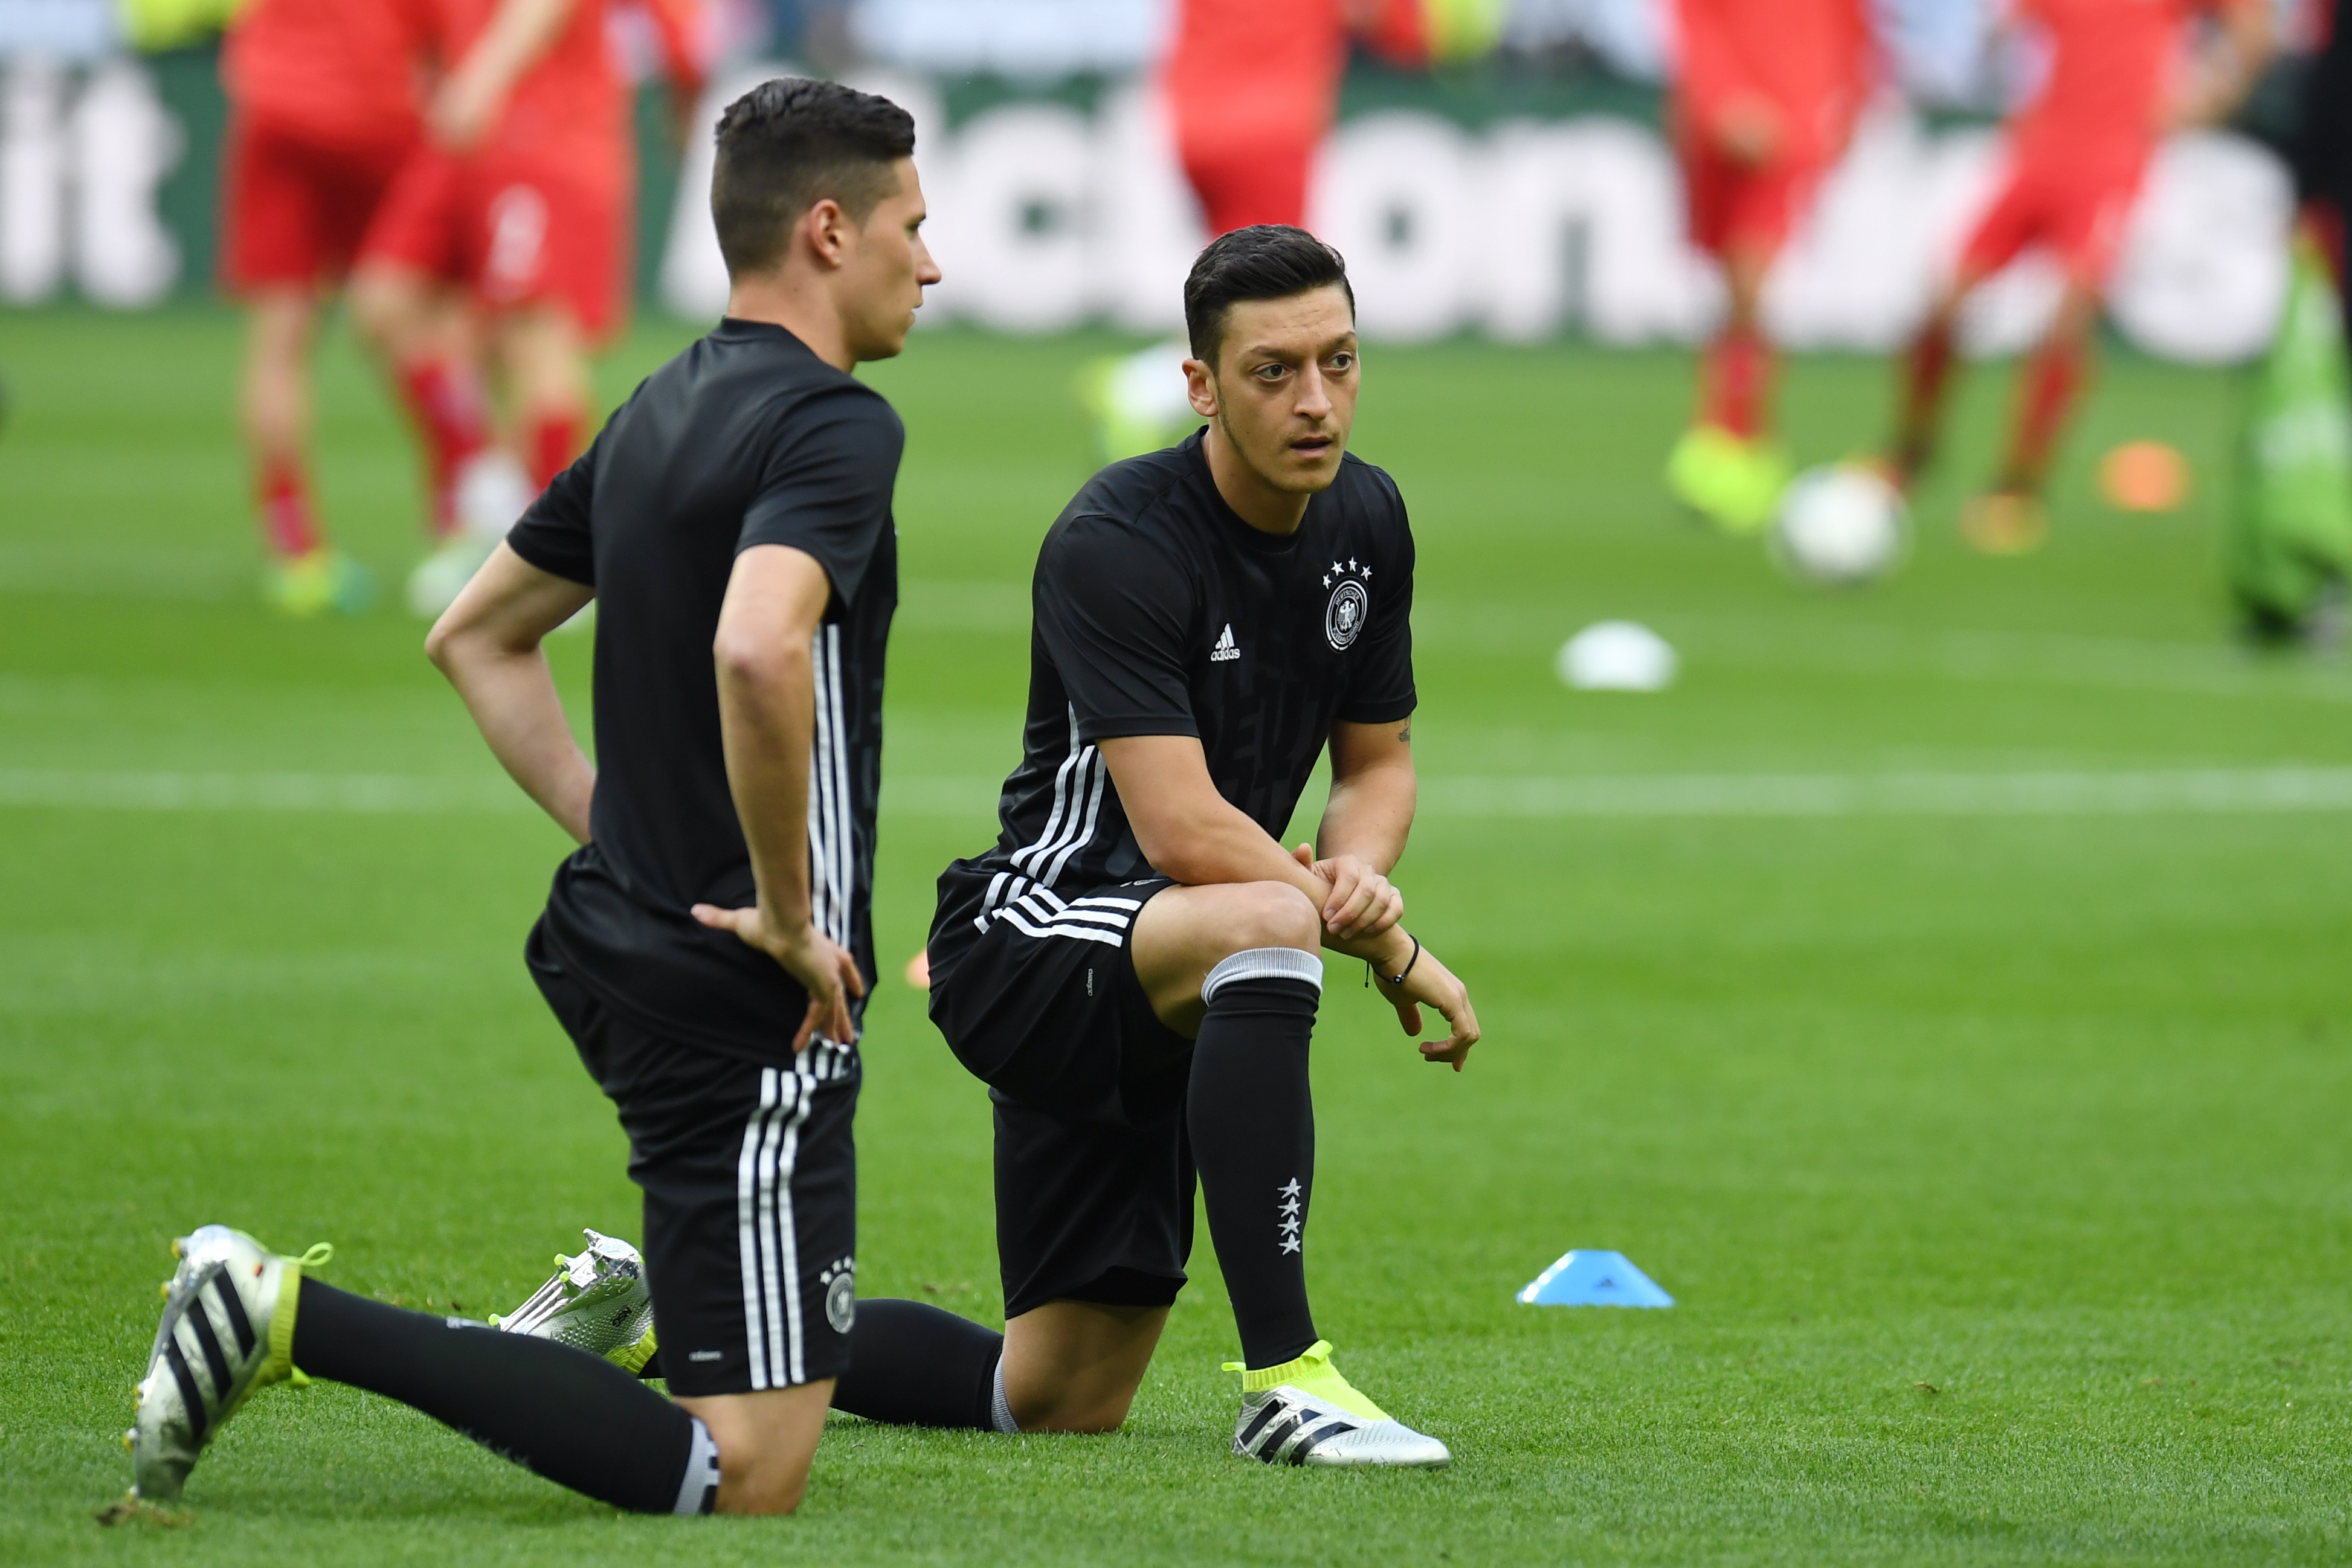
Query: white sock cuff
x: 697, y: 1490
x: 1000, y: 1409
x: 1265, y: 964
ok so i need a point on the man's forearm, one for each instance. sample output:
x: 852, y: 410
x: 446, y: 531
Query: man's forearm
x: 1223, y: 845
x: 513, y: 697
x: 767, y: 719
x: 1369, y: 816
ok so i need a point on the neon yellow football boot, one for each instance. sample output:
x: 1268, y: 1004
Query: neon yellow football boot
x: 318, y: 582
x: 1305, y: 1412
x: 1732, y: 481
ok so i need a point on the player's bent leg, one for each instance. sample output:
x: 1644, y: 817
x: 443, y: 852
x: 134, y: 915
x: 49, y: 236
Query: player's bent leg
x: 914, y: 1364
x: 1074, y: 1366
x: 1184, y: 933
x: 1251, y: 951
x: 765, y: 1443
x: 238, y: 1317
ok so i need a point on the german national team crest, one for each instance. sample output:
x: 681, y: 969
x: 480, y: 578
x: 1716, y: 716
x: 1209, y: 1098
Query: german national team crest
x: 841, y: 1295
x: 1351, y: 601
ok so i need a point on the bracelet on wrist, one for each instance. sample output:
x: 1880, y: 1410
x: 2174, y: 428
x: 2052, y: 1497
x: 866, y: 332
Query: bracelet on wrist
x: 1397, y: 978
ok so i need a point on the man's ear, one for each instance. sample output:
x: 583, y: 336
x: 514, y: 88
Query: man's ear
x: 1201, y: 388
x: 827, y: 230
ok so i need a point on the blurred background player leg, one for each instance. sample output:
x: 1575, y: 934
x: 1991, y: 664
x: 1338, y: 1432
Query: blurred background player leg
x: 1764, y: 103
x: 2077, y: 153
x: 306, y: 575
x: 522, y: 202
x: 425, y: 337
x: 322, y: 116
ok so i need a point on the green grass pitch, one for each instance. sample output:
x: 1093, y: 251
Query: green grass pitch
x: 1997, y: 1158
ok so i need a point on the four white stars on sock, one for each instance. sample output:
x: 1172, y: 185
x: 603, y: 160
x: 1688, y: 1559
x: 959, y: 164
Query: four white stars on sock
x: 1289, y: 1220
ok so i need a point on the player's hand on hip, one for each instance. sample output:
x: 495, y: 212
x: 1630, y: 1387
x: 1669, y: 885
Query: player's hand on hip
x: 824, y: 968
x: 1431, y: 984
x: 1362, y: 902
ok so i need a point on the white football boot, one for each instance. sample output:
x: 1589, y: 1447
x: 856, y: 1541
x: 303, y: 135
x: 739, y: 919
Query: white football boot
x: 227, y: 1330
x: 596, y: 1302
x: 1303, y: 1413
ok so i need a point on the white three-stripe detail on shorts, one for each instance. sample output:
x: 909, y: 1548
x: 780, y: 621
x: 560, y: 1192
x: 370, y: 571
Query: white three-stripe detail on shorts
x: 749, y: 1168
x: 1012, y: 913
x: 787, y: 1232
x: 768, y: 1240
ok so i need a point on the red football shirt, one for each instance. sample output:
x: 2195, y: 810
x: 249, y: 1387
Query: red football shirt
x: 1808, y: 59
x: 1255, y: 73
x: 569, y: 99
x: 341, y: 71
x: 2111, y: 75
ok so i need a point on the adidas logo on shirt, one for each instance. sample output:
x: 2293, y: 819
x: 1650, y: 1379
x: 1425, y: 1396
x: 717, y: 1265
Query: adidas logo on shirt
x: 1224, y: 649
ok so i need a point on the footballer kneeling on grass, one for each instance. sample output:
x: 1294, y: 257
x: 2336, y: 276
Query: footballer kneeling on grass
x: 1134, y: 967
x: 734, y: 521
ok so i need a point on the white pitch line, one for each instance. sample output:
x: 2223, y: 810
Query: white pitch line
x: 362, y: 794
x: 2251, y: 792
x: 2242, y: 792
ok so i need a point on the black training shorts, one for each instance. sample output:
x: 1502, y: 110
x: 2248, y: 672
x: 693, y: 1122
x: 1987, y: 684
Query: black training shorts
x: 750, y: 1184
x: 1037, y: 997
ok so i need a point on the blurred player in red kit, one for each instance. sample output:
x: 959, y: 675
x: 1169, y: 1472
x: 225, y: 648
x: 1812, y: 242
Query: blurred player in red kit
x: 1765, y: 95
x: 1254, y: 86
x: 322, y: 111
x: 2076, y: 155
x: 519, y: 195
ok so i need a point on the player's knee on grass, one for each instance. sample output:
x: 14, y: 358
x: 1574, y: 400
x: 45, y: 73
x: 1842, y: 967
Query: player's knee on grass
x: 765, y: 1444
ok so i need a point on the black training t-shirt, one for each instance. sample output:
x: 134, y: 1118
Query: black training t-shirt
x: 1157, y: 611
x: 747, y: 438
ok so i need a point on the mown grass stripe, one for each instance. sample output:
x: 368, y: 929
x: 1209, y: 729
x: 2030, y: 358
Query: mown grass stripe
x: 2218, y: 790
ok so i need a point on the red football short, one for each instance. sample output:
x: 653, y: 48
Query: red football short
x: 294, y: 209
x: 1241, y: 186
x: 2078, y: 211
x: 514, y: 231
x: 1735, y: 205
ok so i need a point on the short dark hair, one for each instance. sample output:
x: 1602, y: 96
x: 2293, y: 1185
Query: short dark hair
x: 1264, y: 261
x: 790, y: 143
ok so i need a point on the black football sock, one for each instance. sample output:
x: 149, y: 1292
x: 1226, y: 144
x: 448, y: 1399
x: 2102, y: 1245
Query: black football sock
x: 573, y: 1417
x: 912, y: 1364
x: 1252, y: 1118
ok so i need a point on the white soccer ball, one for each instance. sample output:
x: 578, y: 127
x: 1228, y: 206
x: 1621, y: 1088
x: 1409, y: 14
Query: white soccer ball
x: 1841, y: 525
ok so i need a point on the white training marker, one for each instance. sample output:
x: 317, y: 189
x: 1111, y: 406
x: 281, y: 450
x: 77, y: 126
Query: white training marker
x: 1617, y: 656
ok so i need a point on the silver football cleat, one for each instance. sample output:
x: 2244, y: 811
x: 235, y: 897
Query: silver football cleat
x: 597, y: 1303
